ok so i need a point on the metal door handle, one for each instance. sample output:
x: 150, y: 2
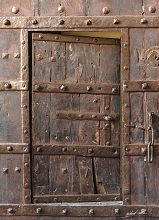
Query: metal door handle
x: 150, y: 147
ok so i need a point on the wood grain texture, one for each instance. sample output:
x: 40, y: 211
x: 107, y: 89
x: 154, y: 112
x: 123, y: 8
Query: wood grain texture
x: 11, y: 182
x: 9, y: 44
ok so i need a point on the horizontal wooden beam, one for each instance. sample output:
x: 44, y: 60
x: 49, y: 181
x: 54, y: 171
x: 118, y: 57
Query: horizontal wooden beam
x: 80, y: 88
x: 79, y: 150
x: 78, y: 22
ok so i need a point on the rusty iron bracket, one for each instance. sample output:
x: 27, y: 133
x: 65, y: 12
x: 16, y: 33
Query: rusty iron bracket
x: 88, y: 150
x: 14, y: 148
x: 141, y: 86
x: 86, y: 116
x: 14, y: 86
x: 77, y: 88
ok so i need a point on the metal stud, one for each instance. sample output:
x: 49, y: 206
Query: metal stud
x: 108, y: 118
x: 114, y: 90
x: 15, y: 10
x: 6, y: 22
x: 95, y: 100
x: 117, y: 211
x: 125, y: 44
x: 9, y: 148
x: 64, y: 211
x: 5, y: 170
x: 95, y: 40
x: 39, y: 210
x: 143, y: 21
x: 144, y: 85
x: 18, y: 169
x: 88, y: 22
x: 63, y: 87
x: 38, y: 149
x: 10, y: 210
x: 61, y: 22
x: 56, y: 38
x: 77, y: 39
x: 24, y: 67
x: 89, y: 88
x: 91, y: 212
x: 16, y: 55
x: 125, y: 67
x: 152, y: 9
x: 41, y: 36
x: 108, y: 143
x: 34, y: 21
x: 7, y: 86
x: 52, y: 59
x: 64, y: 149
x: 80, y: 115
x: 105, y: 10
x: 116, y: 21
x: 25, y: 132
x: 23, y: 42
x: 64, y: 170
x: 5, y: 55
x: 26, y: 197
x: 90, y: 151
x: 94, y: 116
x: 26, y: 164
x: 61, y: 9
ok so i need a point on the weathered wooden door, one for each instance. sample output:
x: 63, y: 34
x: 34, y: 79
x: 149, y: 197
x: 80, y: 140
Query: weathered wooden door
x: 75, y: 118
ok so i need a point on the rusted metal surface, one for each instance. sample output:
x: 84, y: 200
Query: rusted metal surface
x: 89, y: 151
x: 75, y: 198
x: 13, y: 148
x: 14, y: 86
x: 141, y: 86
x: 79, y: 22
x: 26, y: 179
x: 85, y: 116
x: 76, y: 88
x: 88, y: 210
x: 74, y: 39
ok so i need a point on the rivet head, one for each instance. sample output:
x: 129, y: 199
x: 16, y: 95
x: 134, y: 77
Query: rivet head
x: 25, y: 132
x: 15, y: 10
x: 6, y: 22
x: 144, y: 85
x: 105, y: 10
x: 34, y: 21
x: 38, y: 149
x: 152, y: 9
x: 41, y: 36
x: 37, y: 87
x: 24, y: 106
x: 125, y: 67
x: 143, y: 21
x: 117, y: 211
x: 116, y: 198
x: 91, y: 211
x: 5, y: 170
x: 61, y: 9
x: 108, y: 143
x: 94, y: 116
x: 7, y: 85
x: 89, y: 88
x: 26, y: 197
x: 77, y: 39
x: 5, y: 55
x: 23, y: 42
x: 64, y: 211
x: 143, y: 150
x: 88, y: 22
x: 24, y: 67
x: 26, y: 165
x: 116, y: 21
x: 125, y: 44
x: 80, y: 116
x: 18, y: 169
x: 63, y: 87
x: 114, y: 90
x: 16, y: 55
x: 64, y: 149
x: 26, y: 185
x: 10, y: 210
x: 9, y: 148
x: 56, y: 38
x: 39, y: 210
x: 108, y: 118
x: 61, y: 21
x: 90, y: 151
x: 64, y: 170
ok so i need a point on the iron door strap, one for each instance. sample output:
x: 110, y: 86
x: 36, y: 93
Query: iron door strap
x: 150, y: 149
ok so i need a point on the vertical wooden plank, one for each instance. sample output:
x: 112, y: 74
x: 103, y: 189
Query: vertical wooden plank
x: 86, y: 177
x: 10, y: 54
x: 151, y: 7
x: 125, y: 161
x: 107, y: 176
x: 63, y: 175
x: 10, y: 114
x: 152, y: 104
x: 41, y: 118
x: 63, y: 7
x: 11, y: 181
x: 24, y: 8
x: 114, y: 7
x: 40, y: 181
